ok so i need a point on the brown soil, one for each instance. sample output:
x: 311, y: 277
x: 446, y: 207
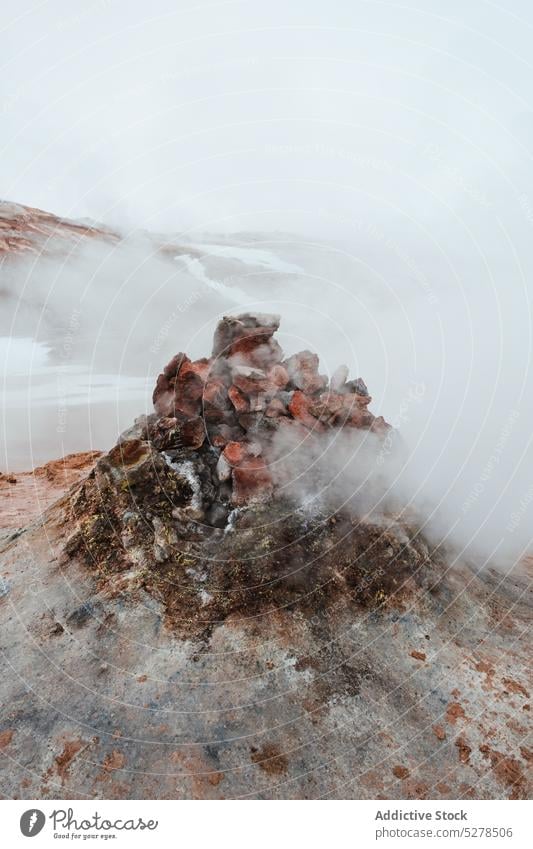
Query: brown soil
x: 64, y: 760
x: 296, y: 559
x: 508, y: 771
x: 418, y: 655
x: 454, y: 711
x: 270, y: 759
x: 26, y: 495
x: 400, y: 772
x: 464, y: 750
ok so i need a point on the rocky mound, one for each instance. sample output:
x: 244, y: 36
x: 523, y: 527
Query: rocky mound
x: 241, y: 400
x: 170, y: 507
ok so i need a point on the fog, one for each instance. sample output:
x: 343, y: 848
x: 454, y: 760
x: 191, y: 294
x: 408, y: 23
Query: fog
x: 376, y: 158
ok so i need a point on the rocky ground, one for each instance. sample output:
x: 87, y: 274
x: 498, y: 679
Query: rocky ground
x: 24, y: 496
x: 179, y: 625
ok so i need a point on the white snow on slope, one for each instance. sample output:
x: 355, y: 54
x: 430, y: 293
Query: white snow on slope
x: 252, y: 256
x: 196, y: 268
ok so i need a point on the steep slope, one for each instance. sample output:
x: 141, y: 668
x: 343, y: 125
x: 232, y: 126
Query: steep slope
x: 24, y: 229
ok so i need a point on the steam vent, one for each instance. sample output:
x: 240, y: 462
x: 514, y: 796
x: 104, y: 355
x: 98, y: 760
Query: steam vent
x: 197, y: 497
x: 183, y: 623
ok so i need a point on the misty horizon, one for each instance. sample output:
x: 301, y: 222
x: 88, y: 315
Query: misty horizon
x: 360, y: 175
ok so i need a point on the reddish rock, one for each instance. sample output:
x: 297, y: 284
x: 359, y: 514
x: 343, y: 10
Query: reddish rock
x: 189, y: 389
x: 173, y: 367
x: 234, y: 453
x: 276, y: 408
x: 278, y: 376
x: 220, y: 434
x: 299, y: 409
x: 166, y: 423
x: 218, y: 440
x: 193, y: 433
x: 241, y: 396
x: 216, y: 394
x: 326, y: 406
x: 163, y: 397
x: 212, y: 414
x: 252, y: 482
x: 166, y: 432
x: 194, y: 374
x: 354, y: 414
x: 253, y: 383
x: 243, y: 334
x: 351, y: 401
x: 238, y: 399
x: 357, y: 386
x: 338, y: 409
x: 366, y: 421
x: 184, y: 408
x: 379, y: 425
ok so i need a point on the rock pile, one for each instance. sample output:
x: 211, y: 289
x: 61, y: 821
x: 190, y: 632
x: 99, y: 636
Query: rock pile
x: 194, y: 506
x: 230, y: 406
x: 24, y: 229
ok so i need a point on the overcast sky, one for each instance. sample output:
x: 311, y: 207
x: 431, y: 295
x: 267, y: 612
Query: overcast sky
x: 403, y: 131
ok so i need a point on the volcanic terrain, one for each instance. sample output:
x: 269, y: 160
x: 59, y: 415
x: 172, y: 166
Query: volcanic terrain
x: 185, y: 622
